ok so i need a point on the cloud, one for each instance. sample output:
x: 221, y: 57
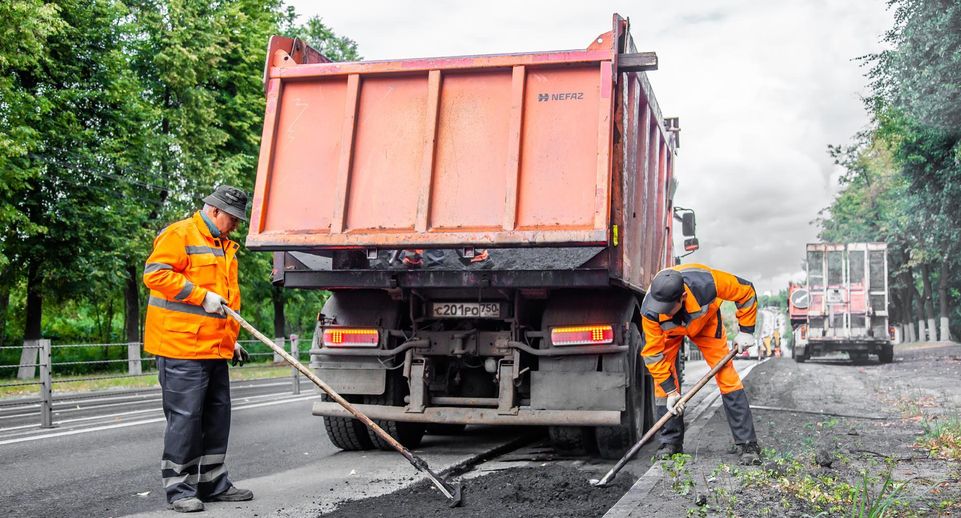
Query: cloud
x: 761, y: 89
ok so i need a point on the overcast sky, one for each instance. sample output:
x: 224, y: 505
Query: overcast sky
x: 761, y: 88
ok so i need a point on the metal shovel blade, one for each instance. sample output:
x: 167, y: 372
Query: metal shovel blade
x: 451, y: 491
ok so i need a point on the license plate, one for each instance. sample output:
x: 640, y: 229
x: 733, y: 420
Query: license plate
x: 466, y: 310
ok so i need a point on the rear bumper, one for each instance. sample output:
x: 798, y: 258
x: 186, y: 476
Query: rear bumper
x: 846, y: 345
x: 488, y: 416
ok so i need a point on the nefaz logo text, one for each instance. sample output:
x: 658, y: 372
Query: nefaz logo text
x: 566, y: 96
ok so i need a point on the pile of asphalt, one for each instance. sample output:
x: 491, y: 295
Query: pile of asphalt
x: 540, y: 491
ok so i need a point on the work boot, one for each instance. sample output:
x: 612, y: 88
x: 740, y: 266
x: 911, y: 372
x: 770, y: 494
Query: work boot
x: 187, y: 505
x: 666, y: 450
x: 233, y: 494
x: 749, y: 454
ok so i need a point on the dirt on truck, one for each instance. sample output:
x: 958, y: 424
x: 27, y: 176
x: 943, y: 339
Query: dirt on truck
x: 486, y: 226
x: 843, y: 307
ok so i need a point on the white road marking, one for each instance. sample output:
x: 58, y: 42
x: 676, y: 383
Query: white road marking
x: 143, y: 421
x: 145, y: 398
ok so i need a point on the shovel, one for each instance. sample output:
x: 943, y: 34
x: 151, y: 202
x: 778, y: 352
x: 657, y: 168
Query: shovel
x: 451, y: 491
x: 660, y: 423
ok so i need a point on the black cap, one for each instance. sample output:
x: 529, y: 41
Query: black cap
x: 229, y: 199
x: 666, y: 290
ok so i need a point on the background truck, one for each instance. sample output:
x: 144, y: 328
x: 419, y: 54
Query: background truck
x: 844, y: 305
x: 486, y: 225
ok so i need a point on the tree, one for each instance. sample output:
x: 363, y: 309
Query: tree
x: 906, y: 195
x: 88, y: 105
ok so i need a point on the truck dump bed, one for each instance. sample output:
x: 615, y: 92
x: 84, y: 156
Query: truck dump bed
x: 550, y: 149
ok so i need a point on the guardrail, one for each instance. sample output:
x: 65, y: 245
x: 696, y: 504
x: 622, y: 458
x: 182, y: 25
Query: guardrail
x: 39, y: 355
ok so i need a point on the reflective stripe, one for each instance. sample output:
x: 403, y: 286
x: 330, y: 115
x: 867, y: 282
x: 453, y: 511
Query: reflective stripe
x: 208, y: 460
x: 699, y: 313
x: 181, y: 307
x: 654, y: 358
x: 195, y: 478
x: 746, y: 303
x: 154, y: 267
x: 185, y: 292
x: 668, y: 325
x: 213, y: 474
x: 194, y: 250
x: 179, y: 468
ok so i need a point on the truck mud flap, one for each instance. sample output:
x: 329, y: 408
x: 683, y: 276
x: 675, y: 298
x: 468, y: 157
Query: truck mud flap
x: 354, y: 381
x: 578, y: 390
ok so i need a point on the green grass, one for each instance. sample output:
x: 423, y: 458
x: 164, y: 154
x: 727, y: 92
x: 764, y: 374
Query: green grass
x: 941, y: 439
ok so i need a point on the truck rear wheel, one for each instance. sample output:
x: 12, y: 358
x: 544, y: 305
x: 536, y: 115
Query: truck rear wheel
x: 408, y: 434
x: 614, y: 441
x: 798, y: 356
x: 887, y: 353
x: 347, y: 433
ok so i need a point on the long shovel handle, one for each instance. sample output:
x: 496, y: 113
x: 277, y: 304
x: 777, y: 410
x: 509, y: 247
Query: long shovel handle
x: 416, y: 461
x: 664, y: 419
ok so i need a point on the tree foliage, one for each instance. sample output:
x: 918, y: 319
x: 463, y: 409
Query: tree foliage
x: 903, y: 175
x: 116, y: 118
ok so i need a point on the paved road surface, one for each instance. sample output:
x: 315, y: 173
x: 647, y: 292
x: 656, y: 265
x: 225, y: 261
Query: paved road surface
x: 108, y: 466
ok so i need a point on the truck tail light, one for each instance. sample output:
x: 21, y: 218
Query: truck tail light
x: 582, y: 335
x: 350, y: 337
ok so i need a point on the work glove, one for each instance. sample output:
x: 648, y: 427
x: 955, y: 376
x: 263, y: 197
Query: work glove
x: 213, y: 303
x: 241, y: 356
x: 742, y: 341
x: 674, y: 404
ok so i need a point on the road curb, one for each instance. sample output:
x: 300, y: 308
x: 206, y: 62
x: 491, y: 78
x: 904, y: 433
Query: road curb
x: 636, y: 499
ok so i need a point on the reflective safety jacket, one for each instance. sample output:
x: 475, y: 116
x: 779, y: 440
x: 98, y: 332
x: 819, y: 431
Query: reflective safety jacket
x: 706, y: 288
x: 186, y: 262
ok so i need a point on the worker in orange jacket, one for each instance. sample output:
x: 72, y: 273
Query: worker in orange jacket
x: 192, y: 273
x: 685, y: 301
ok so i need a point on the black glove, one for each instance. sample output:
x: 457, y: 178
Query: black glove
x: 241, y: 355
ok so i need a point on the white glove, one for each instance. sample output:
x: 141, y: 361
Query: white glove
x: 674, y: 404
x: 213, y: 303
x: 742, y: 341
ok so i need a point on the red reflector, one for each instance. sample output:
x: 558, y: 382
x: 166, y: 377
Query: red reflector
x: 582, y: 335
x: 349, y: 337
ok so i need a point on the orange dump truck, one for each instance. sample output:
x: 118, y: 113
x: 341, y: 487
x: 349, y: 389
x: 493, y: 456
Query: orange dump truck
x: 486, y: 225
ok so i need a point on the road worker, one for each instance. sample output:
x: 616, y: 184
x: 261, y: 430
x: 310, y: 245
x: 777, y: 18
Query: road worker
x: 191, y: 273
x: 685, y: 301
x: 767, y: 347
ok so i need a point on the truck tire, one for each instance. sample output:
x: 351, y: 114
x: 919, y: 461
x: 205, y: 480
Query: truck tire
x: 408, y: 434
x: 571, y: 440
x: 887, y: 353
x: 798, y: 356
x: 614, y: 441
x: 346, y: 433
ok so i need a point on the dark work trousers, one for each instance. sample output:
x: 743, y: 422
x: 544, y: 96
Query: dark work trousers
x: 739, y: 418
x: 673, y: 430
x: 196, y: 401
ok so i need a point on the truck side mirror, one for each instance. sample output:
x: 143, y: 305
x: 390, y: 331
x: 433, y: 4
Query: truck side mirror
x: 687, y: 226
x: 691, y: 244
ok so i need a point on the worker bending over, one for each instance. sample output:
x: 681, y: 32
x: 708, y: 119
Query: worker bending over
x: 685, y: 301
